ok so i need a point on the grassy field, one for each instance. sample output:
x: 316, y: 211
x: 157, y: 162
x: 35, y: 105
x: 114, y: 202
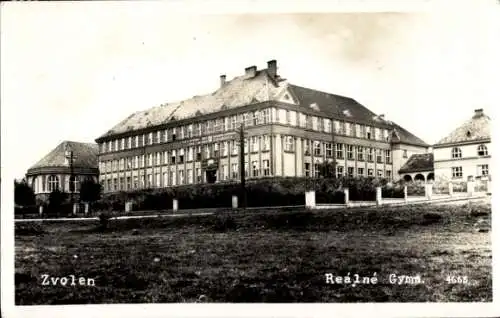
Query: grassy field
x: 261, y: 257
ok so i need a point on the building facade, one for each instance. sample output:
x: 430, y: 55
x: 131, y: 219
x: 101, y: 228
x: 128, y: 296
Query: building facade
x: 288, y: 131
x: 465, y: 154
x: 64, y: 168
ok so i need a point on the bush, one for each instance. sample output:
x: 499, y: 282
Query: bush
x: 104, y: 221
x: 260, y: 192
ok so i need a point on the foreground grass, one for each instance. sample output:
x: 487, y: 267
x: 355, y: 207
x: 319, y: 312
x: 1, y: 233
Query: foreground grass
x: 260, y: 257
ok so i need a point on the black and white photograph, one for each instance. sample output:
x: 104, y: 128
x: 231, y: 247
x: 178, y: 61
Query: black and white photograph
x: 248, y: 153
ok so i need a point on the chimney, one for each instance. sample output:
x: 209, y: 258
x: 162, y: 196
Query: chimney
x: 222, y: 80
x: 251, y: 71
x: 272, y: 69
x: 478, y: 113
x: 382, y: 116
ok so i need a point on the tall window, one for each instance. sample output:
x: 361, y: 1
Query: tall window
x: 317, y: 169
x: 307, y: 147
x: 329, y: 149
x: 379, y: 173
x: 387, y: 156
x: 225, y: 172
x: 482, y: 150
x: 234, y: 148
x: 405, y: 153
x: 388, y: 174
x: 361, y: 153
x: 266, y: 145
x: 234, y: 170
x: 456, y: 153
x: 73, y: 184
x: 173, y: 157
x: 181, y: 176
x: 288, y: 118
x: 223, y: 148
x: 370, y: 172
x: 456, y: 172
x: 266, y: 115
x: 340, y: 171
x: 379, y: 155
x: 255, y: 143
x: 340, y: 151
x: 350, y: 152
x: 317, y: 148
x: 150, y: 159
x: 266, y: 167
x: 370, y: 154
x: 255, y: 169
x: 190, y: 176
x: 350, y: 171
x: 289, y: 144
x: 302, y: 120
x: 181, y: 155
x: 198, y: 175
x: 307, y: 169
x: 361, y: 171
x: 158, y: 159
x: 327, y: 125
x: 129, y: 183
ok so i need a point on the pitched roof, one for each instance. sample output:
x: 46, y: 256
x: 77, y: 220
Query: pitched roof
x: 255, y: 88
x: 477, y: 128
x: 401, y: 135
x: 419, y: 162
x: 85, y: 156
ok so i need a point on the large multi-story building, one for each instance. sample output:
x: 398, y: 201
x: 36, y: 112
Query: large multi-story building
x: 465, y: 154
x: 64, y: 168
x: 289, y: 131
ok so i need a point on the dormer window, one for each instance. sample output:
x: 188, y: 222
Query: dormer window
x: 468, y: 134
x: 347, y: 113
x: 314, y: 106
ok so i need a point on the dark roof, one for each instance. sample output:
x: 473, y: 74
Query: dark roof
x: 260, y: 87
x: 401, y: 135
x: 418, y: 163
x: 477, y: 128
x: 85, y: 156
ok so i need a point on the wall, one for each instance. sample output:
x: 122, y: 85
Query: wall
x: 443, y: 161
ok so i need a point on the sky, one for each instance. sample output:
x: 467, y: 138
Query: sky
x: 71, y: 71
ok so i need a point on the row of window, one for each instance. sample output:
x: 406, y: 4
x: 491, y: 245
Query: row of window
x: 230, y: 123
x: 341, y: 171
x: 179, y: 156
x: 482, y: 151
x: 482, y: 171
x: 53, y: 182
x: 173, y: 178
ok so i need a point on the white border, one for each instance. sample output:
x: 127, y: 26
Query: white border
x: 9, y: 144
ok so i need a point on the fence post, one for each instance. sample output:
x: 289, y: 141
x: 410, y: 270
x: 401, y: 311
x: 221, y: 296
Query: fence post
x: 488, y: 187
x: 235, y: 202
x: 346, y: 195
x: 379, y: 196
x: 40, y: 210
x: 75, y: 208
x: 405, y: 192
x: 470, y: 188
x: 310, y: 199
x: 428, y: 191
x: 128, y: 206
x: 175, y: 205
x: 450, y: 188
x: 86, y: 208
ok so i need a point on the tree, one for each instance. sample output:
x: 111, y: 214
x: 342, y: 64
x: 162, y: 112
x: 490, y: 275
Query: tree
x: 23, y: 193
x: 56, y: 199
x: 90, y: 191
x: 327, y: 169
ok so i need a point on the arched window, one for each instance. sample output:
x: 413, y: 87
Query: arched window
x: 482, y: 150
x: 456, y: 153
x: 53, y: 183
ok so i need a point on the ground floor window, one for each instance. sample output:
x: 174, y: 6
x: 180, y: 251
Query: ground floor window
x: 266, y: 166
x: 53, y: 183
x: 350, y: 171
x: 340, y: 171
x: 307, y: 169
x: 361, y: 171
x: 370, y: 172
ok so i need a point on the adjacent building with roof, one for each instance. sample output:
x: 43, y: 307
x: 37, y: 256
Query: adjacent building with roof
x: 289, y: 131
x: 465, y: 154
x: 420, y: 167
x: 64, y: 168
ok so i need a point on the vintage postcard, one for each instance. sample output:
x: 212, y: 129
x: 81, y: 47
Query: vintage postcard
x: 248, y: 158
